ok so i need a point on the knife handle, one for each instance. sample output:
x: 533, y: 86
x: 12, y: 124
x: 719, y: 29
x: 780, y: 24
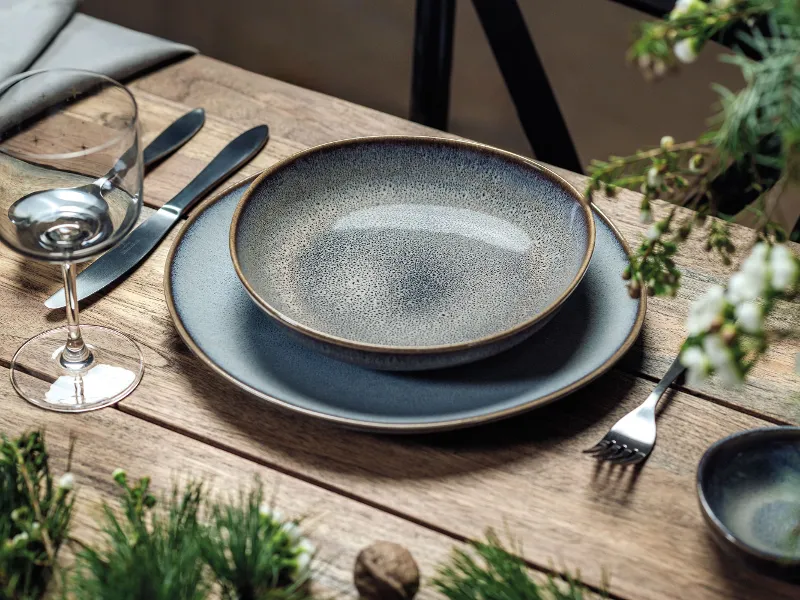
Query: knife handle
x: 233, y: 156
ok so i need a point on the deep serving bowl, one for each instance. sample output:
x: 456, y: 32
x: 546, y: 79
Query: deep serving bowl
x: 408, y: 253
x: 749, y: 489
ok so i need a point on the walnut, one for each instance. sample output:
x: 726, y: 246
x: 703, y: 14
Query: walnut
x: 386, y: 571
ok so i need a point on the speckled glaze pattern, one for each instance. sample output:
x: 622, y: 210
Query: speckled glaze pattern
x: 414, y: 244
x: 236, y: 339
x: 749, y: 488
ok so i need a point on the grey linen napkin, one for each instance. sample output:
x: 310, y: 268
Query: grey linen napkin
x: 42, y: 34
x: 46, y: 34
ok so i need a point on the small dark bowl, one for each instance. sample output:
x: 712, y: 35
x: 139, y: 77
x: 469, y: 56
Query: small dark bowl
x: 749, y: 489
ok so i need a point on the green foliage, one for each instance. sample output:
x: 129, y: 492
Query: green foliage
x: 699, y: 22
x: 253, y: 554
x: 34, y: 517
x: 191, y: 547
x: 491, y: 572
x: 149, y: 554
x: 755, y: 129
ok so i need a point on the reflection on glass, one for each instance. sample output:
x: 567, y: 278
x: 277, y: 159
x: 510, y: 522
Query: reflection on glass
x: 70, y: 188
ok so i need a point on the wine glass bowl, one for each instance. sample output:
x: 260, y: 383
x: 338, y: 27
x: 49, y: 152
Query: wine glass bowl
x: 70, y: 188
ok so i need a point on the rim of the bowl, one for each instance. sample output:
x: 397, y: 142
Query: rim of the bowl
x: 709, y: 513
x: 410, y: 350
x: 377, y: 426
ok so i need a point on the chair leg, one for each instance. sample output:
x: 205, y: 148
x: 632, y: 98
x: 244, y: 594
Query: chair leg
x: 527, y: 83
x: 433, y: 59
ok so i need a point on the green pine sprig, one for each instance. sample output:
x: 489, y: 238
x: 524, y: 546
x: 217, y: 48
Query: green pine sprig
x: 148, y: 553
x: 490, y: 572
x: 253, y: 553
x: 35, y: 513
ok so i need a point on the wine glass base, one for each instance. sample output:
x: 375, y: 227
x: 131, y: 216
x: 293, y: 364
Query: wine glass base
x: 38, y: 375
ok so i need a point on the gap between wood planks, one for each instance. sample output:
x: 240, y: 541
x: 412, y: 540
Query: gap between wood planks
x: 544, y: 569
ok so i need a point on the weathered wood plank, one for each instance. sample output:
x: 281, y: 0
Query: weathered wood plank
x: 526, y: 473
x: 306, y: 118
x: 108, y: 439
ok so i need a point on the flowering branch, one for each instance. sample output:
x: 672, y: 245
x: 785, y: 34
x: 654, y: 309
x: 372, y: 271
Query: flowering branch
x: 726, y: 326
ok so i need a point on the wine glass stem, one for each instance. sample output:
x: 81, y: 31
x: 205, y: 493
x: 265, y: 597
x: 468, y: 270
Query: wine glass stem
x: 75, y: 355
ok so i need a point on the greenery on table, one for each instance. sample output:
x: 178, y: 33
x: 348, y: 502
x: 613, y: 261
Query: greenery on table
x: 190, y: 546
x: 193, y: 546
x: 35, y: 513
x: 755, y: 133
x: 491, y: 572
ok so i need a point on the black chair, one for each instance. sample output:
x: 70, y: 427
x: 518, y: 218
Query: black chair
x: 527, y: 83
x: 519, y: 64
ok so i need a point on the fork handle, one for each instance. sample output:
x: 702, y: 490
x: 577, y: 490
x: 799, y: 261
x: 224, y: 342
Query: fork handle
x: 675, y: 370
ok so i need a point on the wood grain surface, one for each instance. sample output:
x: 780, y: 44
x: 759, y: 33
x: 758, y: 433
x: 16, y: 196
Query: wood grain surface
x: 643, y: 527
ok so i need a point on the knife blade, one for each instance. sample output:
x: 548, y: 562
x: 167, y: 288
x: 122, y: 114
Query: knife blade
x: 168, y: 141
x: 174, y: 136
x: 121, y: 259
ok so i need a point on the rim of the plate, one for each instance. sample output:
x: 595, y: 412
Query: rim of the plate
x: 711, y: 516
x: 376, y: 426
x: 414, y: 350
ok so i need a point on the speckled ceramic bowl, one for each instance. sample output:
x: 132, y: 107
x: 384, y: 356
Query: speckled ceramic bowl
x: 407, y: 253
x: 749, y: 489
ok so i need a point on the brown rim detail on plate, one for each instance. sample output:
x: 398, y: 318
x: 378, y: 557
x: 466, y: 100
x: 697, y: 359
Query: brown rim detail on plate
x: 442, y: 348
x: 408, y: 428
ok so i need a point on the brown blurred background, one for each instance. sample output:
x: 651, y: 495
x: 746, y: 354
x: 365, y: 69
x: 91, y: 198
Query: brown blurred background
x: 361, y: 50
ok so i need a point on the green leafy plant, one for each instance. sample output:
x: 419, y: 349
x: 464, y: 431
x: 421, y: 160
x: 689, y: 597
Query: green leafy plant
x: 35, y: 513
x: 755, y: 135
x: 254, y: 553
x: 491, y: 572
x: 193, y: 545
x: 149, y: 554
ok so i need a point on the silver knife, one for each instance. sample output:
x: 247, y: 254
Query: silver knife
x: 121, y: 259
x: 174, y: 136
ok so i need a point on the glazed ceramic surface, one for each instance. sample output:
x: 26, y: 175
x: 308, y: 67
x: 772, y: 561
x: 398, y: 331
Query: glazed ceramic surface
x: 444, y: 250
x: 233, y: 336
x: 749, y: 488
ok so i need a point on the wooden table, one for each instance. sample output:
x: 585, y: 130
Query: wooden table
x: 643, y: 527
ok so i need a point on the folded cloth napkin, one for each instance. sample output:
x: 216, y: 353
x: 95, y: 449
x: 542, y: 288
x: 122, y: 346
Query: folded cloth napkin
x: 46, y: 34
x: 42, y: 34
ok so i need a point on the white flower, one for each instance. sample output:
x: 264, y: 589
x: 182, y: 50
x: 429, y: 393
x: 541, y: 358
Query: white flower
x: 305, y: 545
x: 684, y: 6
x: 686, y: 50
x: 722, y: 360
x: 654, y: 178
x: 784, y: 268
x: 654, y: 232
x: 644, y: 61
x: 749, y: 317
x: 705, y: 310
x: 67, y: 481
x: 667, y: 142
x: 698, y: 365
x: 681, y: 7
x: 645, y: 216
x: 659, y: 68
x: 744, y: 287
x: 265, y: 511
x: 303, y: 559
x: 751, y: 280
x: 19, y: 540
x: 118, y: 473
x: 291, y: 530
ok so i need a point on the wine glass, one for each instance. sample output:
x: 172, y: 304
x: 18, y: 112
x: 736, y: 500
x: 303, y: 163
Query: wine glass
x: 70, y: 188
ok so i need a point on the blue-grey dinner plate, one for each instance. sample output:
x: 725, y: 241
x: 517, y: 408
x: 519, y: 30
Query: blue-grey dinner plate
x: 223, y: 326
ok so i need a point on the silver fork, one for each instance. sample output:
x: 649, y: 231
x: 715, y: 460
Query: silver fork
x: 632, y: 438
